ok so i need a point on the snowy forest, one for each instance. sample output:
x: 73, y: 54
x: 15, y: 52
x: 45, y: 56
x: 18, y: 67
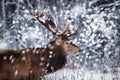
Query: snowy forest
x: 98, y: 35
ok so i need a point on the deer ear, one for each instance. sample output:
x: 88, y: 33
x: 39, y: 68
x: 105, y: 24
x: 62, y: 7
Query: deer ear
x: 58, y: 41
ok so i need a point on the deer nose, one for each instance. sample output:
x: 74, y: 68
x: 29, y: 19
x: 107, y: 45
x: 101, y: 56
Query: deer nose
x: 79, y: 50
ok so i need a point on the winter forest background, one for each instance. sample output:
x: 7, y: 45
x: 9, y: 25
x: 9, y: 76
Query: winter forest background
x: 98, y: 36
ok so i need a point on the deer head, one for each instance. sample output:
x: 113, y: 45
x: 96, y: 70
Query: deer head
x: 33, y: 63
x: 62, y: 38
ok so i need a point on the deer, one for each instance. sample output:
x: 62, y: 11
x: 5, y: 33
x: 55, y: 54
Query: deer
x: 34, y: 63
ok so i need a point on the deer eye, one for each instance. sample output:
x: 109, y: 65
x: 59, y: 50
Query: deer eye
x: 66, y: 42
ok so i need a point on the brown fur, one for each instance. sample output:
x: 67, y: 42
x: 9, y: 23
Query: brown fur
x: 34, y: 63
x: 31, y: 63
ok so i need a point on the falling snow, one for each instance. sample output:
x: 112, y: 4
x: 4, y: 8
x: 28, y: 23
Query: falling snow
x: 97, y: 37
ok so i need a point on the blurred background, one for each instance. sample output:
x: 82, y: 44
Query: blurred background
x: 98, y: 36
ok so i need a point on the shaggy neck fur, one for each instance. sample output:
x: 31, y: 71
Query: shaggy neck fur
x: 58, y: 59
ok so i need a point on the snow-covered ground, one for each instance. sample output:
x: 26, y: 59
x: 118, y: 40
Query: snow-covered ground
x: 82, y: 74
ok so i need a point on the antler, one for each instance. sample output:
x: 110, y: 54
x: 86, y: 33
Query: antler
x: 45, y: 19
x: 68, y: 33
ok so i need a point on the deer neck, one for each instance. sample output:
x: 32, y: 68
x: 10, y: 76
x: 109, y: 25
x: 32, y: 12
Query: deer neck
x: 57, y: 59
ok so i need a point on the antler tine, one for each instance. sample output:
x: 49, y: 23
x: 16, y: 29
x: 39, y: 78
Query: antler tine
x: 45, y: 19
x: 73, y: 32
x: 57, y: 29
x: 32, y: 16
x: 66, y: 30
